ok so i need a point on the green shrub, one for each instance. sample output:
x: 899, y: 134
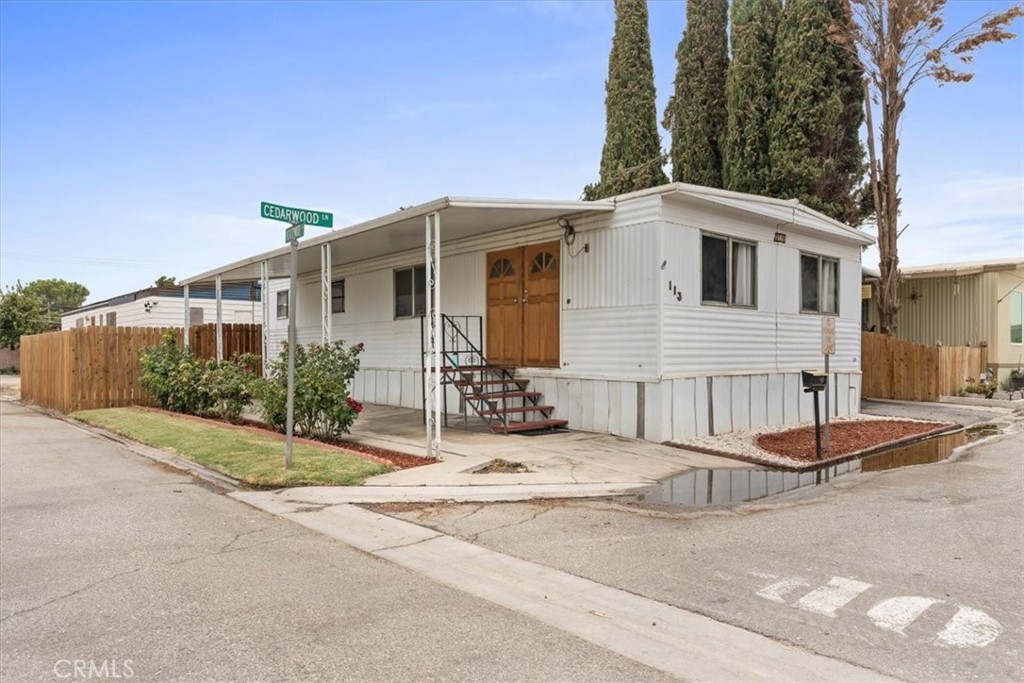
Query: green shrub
x: 984, y: 389
x: 323, y: 372
x: 233, y: 385
x: 179, y: 381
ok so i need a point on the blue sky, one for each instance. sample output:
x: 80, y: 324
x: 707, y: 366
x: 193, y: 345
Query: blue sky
x: 138, y: 138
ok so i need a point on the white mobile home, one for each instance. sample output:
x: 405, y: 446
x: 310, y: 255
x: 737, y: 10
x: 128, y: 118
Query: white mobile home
x: 165, y: 307
x: 663, y: 314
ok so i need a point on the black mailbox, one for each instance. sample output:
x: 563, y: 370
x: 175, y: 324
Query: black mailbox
x: 814, y: 380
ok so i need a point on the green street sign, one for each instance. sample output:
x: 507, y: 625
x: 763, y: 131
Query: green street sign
x: 294, y: 232
x: 319, y: 219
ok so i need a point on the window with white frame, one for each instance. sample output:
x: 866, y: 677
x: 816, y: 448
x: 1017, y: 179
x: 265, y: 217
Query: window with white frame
x: 338, y: 296
x: 282, y: 304
x: 410, y: 291
x: 728, y: 271
x: 1016, y: 317
x: 819, y: 284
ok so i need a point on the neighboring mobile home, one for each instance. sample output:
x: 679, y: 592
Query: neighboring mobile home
x: 962, y: 304
x: 663, y: 314
x: 165, y: 307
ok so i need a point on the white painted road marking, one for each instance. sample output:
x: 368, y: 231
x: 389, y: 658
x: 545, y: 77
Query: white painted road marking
x: 829, y: 598
x: 895, y: 614
x: 970, y: 628
x: 777, y: 591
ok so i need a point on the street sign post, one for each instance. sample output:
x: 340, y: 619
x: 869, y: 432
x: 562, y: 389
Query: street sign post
x: 299, y: 219
x: 828, y: 347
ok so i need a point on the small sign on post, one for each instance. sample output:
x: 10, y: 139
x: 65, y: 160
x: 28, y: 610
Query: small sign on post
x: 828, y: 335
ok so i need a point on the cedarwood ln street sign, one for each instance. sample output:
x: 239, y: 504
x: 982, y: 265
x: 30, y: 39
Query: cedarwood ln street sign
x: 319, y: 219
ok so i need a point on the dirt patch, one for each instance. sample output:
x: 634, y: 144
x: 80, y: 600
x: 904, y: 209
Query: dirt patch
x: 503, y: 467
x: 846, y: 437
x: 395, y: 508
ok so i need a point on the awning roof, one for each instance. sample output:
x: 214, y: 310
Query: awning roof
x: 461, y: 217
x: 960, y: 269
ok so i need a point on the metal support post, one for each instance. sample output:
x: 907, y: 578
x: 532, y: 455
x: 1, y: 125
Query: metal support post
x: 220, y: 318
x: 293, y: 283
x: 187, y: 324
x: 828, y: 389
x: 432, y: 371
x: 325, y: 292
x: 265, y: 315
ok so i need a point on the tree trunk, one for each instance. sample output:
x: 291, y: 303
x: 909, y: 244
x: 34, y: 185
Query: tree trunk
x: 889, y: 211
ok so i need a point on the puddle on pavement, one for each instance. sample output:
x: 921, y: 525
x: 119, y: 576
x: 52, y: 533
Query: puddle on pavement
x: 699, y: 488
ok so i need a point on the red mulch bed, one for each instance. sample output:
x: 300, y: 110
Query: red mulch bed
x: 400, y: 461
x: 846, y: 436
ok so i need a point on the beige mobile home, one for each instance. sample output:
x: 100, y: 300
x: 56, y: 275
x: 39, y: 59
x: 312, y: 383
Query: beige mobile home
x: 963, y: 304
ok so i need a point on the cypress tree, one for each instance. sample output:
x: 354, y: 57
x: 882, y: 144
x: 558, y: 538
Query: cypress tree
x: 631, y: 158
x: 815, y: 151
x: 750, y: 97
x: 696, y: 112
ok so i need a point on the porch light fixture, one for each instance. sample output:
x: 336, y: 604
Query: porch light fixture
x: 568, y: 232
x: 780, y: 238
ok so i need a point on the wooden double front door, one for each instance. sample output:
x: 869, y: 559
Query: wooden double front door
x: 522, y: 305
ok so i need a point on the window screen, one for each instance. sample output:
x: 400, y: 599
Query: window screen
x: 282, y: 304
x: 338, y: 296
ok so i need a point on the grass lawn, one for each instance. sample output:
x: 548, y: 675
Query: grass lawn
x: 254, y: 458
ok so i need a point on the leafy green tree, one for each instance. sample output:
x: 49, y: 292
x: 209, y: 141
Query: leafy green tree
x: 814, y: 150
x: 696, y: 112
x: 58, y: 295
x: 21, y: 313
x: 631, y: 159
x: 164, y: 281
x: 750, y: 97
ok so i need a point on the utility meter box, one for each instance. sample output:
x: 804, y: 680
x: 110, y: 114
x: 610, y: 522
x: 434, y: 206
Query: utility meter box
x: 814, y: 380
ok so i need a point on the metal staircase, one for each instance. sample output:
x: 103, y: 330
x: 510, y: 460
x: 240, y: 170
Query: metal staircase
x: 491, y: 392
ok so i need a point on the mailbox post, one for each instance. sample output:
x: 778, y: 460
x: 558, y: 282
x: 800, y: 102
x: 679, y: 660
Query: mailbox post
x: 814, y: 382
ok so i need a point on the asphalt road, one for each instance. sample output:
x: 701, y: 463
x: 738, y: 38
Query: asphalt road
x: 917, y: 573
x: 109, y: 561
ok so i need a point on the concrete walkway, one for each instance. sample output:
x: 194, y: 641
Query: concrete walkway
x: 555, y: 460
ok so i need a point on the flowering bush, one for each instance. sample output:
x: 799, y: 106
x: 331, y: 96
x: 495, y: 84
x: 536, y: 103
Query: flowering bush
x: 179, y: 381
x: 233, y: 385
x: 323, y: 373
x: 175, y: 378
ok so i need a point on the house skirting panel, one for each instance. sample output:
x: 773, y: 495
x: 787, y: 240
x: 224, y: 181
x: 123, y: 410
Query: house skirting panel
x: 668, y: 410
x: 689, y: 407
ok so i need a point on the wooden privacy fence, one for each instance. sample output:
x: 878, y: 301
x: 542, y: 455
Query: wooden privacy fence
x: 98, y: 367
x: 906, y: 371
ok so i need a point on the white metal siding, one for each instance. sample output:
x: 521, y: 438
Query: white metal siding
x: 610, y: 342
x: 164, y: 312
x: 620, y: 268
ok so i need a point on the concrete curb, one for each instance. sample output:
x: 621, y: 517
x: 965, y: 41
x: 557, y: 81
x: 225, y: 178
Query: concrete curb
x: 340, y: 495
x: 219, y: 481
x: 673, y: 640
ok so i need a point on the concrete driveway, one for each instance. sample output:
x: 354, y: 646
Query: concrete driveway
x: 916, y: 572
